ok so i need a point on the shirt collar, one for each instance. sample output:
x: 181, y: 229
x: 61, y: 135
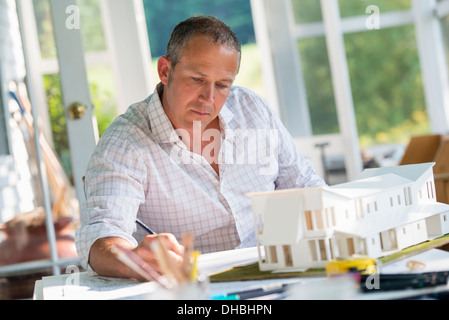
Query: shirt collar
x: 161, y: 126
x: 225, y: 117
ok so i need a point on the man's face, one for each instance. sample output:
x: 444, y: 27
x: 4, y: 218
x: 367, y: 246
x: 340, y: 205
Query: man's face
x: 197, y: 88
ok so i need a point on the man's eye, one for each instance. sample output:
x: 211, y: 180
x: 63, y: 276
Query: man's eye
x: 196, y: 79
x: 221, y: 86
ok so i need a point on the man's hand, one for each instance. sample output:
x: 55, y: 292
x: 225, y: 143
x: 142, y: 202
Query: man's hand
x: 144, y: 250
x: 103, y: 261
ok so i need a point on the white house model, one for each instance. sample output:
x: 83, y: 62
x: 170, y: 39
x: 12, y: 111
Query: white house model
x: 383, y: 211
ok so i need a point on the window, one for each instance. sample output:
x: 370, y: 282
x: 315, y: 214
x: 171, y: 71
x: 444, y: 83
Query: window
x: 374, y: 84
x: 313, y: 250
x: 273, y: 254
x: 430, y: 193
x: 308, y: 217
x: 331, y: 249
x: 319, y: 219
x: 350, y: 246
x: 318, y: 83
x: 288, y: 259
x: 322, y: 246
x: 431, y: 190
x: 359, y: 209
x: 99, y: 73
x: 350, y: 8
x: 408, y: 196
x: 392, y: 86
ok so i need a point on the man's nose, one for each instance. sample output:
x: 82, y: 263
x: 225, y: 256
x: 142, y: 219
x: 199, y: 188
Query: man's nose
x: 207, y: 95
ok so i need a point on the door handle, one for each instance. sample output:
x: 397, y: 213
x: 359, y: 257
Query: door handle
x: 76, y: 110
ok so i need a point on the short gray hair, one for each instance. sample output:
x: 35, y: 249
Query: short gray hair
x: 210, y: 26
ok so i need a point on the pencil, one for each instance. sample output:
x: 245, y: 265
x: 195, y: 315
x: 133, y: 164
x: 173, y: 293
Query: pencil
x: 194, y: 268
x: 143, y: 225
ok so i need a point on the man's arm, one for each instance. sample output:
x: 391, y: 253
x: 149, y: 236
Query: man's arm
x: 104, y: 262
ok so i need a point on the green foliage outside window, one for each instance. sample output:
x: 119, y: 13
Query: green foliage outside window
x: 383, y: 64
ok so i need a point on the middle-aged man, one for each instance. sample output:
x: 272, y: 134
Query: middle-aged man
x: 184, y: 159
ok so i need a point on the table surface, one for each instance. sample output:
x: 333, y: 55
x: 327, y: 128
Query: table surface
x: 83, y: 286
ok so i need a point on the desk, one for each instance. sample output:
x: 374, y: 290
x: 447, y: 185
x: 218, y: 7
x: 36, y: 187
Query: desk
x: 85, y: 287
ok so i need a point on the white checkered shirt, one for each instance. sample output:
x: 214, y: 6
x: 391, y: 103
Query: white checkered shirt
x: 141, y: 169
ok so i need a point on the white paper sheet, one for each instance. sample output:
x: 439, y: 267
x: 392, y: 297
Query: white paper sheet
x: 431, y: 260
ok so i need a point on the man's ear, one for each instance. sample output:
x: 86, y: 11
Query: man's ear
x: 163, y: 69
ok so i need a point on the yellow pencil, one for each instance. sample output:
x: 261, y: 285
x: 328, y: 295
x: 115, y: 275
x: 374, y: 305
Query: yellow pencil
x: 194, y: 270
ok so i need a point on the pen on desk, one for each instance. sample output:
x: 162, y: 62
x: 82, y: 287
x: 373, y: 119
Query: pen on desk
x: 143, y: 225
x: 251, y: 293
x: 406, y: 281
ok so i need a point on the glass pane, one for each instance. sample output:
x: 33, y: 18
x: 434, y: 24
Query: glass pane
x: 101, y: 82
x: 318, y: 83
x: 44, y: 28
x: 162, y: 17
x: 349, y: 8
x: 58, y: 120
x: 386, y: 85
x: 103, y: 98
x: 306, y: 11
x: 90, y: 22
x: 91, y: 25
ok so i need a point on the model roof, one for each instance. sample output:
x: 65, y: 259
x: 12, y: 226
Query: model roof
x: 369, y: 186
x: 412, y: 171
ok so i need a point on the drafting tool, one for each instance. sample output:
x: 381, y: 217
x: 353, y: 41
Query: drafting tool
x: 361, y: 265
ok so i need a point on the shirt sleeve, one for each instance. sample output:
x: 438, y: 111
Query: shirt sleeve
x: 114, y: 191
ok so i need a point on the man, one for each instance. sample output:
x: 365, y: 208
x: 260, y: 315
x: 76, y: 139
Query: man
x: 184, y: 159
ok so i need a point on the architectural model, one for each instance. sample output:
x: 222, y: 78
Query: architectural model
x: 385, y: 210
